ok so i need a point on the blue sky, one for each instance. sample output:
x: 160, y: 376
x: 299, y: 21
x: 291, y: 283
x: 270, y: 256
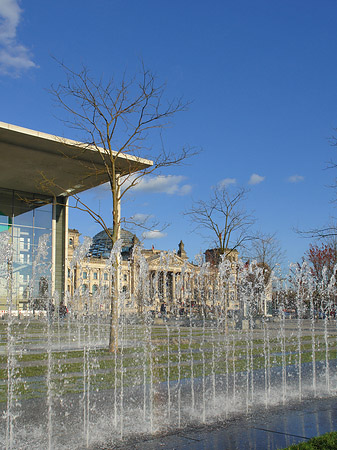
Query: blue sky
x: 261, y: 77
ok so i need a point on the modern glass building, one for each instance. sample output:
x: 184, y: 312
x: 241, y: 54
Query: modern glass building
x: 34, y: 227
x: 26, y: 224
x: 38, y: 174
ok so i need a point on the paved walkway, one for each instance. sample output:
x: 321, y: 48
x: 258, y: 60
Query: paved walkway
x: 265, y: 430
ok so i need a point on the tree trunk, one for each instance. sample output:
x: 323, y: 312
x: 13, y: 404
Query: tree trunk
x: 113, y: 338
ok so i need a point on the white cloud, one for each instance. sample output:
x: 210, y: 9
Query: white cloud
x: 10, y: 12
x: 155, y: 234
x: 185, y: 189
x: 226, y: 182
x: 14, y: 57
x: 169, y: 184
x: 295, y: 178
x: 255, y: 179
x: 141, y: 218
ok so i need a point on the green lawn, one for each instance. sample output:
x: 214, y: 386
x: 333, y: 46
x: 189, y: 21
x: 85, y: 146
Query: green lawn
x: 151, y: 352
x: 325, y: 442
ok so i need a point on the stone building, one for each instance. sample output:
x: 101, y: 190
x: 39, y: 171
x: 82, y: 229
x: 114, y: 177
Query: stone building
x: 244, y: 288
x: 147, y: 278
x: 223, y: 276
x: 157, y: 280
x: 214, y: 255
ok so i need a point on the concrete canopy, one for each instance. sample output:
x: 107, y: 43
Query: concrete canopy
x: 29, y: 157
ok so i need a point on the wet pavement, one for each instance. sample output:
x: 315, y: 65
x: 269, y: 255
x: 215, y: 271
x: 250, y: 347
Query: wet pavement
x: 275, y: 428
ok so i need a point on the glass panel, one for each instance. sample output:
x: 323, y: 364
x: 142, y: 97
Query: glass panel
x: 25, y: 218
x: 6, y: 202
x: 5, y: 222
x: 43, y: 217
x: 6, y: 210
x: 29, y: 222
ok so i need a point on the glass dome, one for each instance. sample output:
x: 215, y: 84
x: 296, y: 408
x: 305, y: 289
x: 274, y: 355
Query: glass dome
x: 101, y: 244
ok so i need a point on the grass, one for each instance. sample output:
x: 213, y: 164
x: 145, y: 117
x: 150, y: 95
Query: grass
x: 325, y: 442
x: 206, y: 355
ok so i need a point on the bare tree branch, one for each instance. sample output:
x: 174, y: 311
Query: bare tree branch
x: 265, y: 249
x: 223, y: 218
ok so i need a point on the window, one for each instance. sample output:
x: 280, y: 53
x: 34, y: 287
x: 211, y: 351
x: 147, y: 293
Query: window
x: 24, y: 258
x: 94, y: 288
x: 95, y: 275
x: 24, y: 244
x: 85, y: 275
x: 105, y: 277
x: 71, y: 241
x: 125, y: 277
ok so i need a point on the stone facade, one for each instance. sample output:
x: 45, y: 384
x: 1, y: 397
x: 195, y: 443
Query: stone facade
x: 159, y: 276
x: 157, y: 280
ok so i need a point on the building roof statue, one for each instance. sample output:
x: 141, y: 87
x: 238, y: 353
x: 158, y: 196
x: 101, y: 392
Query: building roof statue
x: 181, y: 251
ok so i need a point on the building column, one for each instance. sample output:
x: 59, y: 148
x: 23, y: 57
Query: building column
x: 59, y: 246
x: 164, y: 286
x: 173, y: 287
x: 154, y: 281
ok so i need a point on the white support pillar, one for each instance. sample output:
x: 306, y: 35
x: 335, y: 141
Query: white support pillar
x: 118, y: 205
x: 66, y: 244
x: 53, y: 248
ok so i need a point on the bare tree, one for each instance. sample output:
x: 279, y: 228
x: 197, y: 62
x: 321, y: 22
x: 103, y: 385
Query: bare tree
x: 326, y: 233
x: 117, y: 118
x: 265, y: 249
x: 223, y: 217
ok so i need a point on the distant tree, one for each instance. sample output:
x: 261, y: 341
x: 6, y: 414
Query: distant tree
x: 329, y: 230
x: 327, y: 233
x: 320, y: 257
x: 265, y: 249
x: 252, y: 288
x: 290, y: 299
x: 224, y: 218
x: 301, y: 287
x: 323, y: 265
